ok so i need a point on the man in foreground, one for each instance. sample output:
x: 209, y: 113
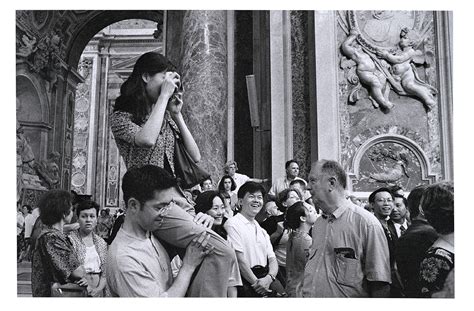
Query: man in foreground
x: 349, y: 256
x: 138, y: 265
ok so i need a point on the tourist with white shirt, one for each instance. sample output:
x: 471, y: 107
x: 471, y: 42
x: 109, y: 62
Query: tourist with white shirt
x: 257, y: 261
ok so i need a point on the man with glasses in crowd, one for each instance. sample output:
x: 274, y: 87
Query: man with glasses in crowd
x: 138, y: 264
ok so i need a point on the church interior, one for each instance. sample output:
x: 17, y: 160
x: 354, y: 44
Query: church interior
x: 326, y: 85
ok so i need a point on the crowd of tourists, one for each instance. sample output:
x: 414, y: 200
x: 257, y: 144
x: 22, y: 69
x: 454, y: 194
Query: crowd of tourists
x: 232, y: 237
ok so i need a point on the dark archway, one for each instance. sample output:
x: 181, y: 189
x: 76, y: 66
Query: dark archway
x: 98, y: 21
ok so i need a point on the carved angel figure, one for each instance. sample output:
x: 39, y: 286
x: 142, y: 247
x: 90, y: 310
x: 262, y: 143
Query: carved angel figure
x: 27, y: 47
x: 404, y: 71
x: 367, y: 72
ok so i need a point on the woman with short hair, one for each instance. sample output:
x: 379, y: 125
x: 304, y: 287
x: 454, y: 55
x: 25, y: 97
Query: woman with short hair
x: 90, y: 248
x: 54, y: 259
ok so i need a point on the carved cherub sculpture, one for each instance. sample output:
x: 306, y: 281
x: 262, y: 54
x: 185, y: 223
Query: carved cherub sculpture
x: 367, y: 72
x: 404, y: 71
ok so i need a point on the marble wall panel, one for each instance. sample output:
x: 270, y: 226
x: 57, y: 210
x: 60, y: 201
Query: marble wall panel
x: 204, y: 75
x: 300, y: 91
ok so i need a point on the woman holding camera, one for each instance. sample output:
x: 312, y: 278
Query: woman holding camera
x: 145, y: 122
x: 147, y: 114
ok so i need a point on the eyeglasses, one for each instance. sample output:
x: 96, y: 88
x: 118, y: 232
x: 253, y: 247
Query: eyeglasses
x: 162, y: 207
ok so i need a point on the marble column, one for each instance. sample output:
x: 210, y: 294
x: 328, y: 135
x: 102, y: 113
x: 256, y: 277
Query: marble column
x: 204, y: 71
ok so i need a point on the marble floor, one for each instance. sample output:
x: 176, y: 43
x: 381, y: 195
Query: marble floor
x: 24, y: 279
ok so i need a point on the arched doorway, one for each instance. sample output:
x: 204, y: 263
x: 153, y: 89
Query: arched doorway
x: 105, y: 63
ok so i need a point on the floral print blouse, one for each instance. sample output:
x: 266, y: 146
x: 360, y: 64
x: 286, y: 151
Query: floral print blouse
x: 124, y: 131
x: 80, y: 248
x: 53, y: 261
x: 434, y: 269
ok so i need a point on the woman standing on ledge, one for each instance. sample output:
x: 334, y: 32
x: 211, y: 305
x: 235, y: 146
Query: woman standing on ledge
x: 145, y: 120
x: 148, y: 113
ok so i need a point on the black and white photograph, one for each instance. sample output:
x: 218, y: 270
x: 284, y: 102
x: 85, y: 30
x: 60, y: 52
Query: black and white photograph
x: 211, y: 152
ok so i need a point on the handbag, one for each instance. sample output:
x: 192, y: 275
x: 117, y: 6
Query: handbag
x: 68, y: 290
x: 188, y: 173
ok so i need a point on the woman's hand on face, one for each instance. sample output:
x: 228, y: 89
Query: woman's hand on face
x: 169, y: 84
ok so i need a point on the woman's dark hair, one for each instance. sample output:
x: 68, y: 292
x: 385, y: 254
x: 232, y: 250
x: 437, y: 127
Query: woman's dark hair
x: 204, y: 200
x: 221, y: 183
x: 87, y: 204
x: 54, y: 205
x: 437, y: 204
x: 133, y: 98
x: 293, y: 214
x: 202, y: 182
x: 413, y: 200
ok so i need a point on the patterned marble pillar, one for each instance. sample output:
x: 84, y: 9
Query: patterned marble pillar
x: 204, y: 71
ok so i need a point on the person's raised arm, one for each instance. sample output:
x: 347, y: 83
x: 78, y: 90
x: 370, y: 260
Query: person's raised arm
x: 149, y: 132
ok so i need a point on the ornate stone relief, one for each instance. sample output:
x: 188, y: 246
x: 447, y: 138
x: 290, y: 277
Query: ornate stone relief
x: 81, y: 127
x: 387, y: 160
x: 388, y: 50
x: 40, y: 18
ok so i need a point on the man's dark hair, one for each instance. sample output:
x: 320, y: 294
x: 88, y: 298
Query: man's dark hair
x: 87, y: 204
x: 396, y: 195
x: 372, y: 195
x: 202, y: 182
x: 413, y: 200
x: 332, y: 168
x: 437, y: 204
x: 250, y: 187
x: 54, y: 205
x: 287, y: 164
x: 141, y: 182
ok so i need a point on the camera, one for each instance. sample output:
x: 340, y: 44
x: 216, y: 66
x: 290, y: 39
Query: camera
x: 179, y: 87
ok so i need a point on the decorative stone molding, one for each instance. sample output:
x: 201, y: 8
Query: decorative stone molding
x: 394, y: 153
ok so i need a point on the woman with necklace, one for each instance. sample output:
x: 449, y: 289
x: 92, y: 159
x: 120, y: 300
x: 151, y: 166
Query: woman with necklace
x: 299, y: 219
x: 437, y: 204
x: 90, y: 248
